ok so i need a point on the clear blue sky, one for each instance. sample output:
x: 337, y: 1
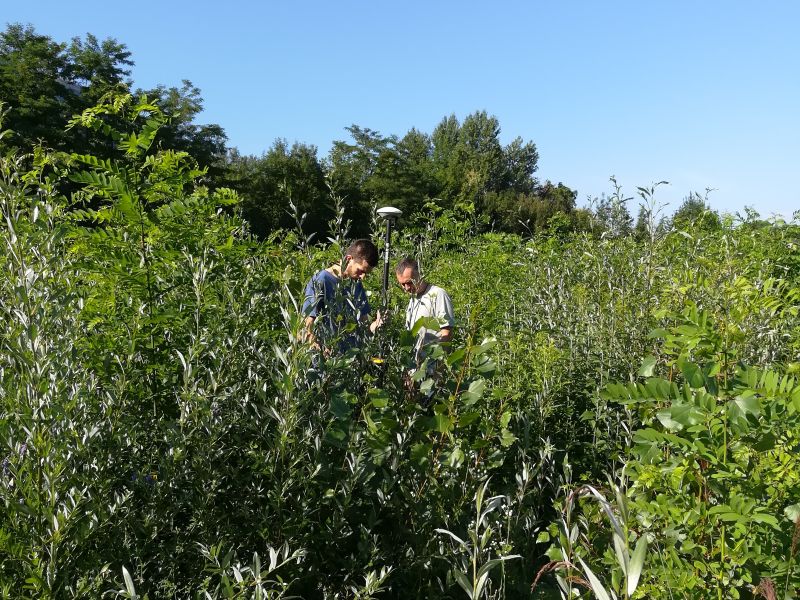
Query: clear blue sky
x: 703, y: 94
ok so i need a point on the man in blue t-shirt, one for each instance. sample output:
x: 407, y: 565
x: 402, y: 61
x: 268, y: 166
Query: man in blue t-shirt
x: 335, y: 298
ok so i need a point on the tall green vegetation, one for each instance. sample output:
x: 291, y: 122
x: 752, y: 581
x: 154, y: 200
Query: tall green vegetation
x: 166, y: 433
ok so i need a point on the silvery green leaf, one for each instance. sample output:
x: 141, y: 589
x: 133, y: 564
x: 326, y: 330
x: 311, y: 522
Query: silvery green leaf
x: 636, y: 564
x: 597, y: 587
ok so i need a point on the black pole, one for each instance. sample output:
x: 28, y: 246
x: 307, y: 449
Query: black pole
x: 387, y: 241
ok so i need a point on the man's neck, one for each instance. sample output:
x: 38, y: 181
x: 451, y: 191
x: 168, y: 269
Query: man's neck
x: 335, y: 270
x: 424, y: 286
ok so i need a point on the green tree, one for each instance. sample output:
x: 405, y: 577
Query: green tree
x: 415, y: 151
x: 520, y: 164
x: 351, y: 166
x: 376, y: 169
x: 481, y: 155
x: 470, y: 163
x: 444, y: 140
x: 611, y: 212
x: 268, y: 184
x: 44, y: 83
x: 694, y: 212
x: 95, y: 68
x: 32, y: 83
x: 526, y: 213
x: 467, y: 157
x: 205, y: 143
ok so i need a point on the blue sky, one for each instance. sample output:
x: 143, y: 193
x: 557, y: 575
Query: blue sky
x: 702, y: 94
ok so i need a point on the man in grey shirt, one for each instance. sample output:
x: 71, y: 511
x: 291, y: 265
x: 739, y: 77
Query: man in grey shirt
x: 427, y: 300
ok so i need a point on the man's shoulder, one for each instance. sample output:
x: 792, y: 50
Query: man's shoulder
x: 321, y: 283
x: 323, y: 276
x: 435, y: 290
x: 441, y: 304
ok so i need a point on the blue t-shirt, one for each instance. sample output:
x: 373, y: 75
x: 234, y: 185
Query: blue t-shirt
x: 335, y: 302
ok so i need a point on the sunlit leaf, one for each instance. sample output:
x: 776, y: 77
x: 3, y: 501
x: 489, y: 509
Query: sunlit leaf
x: 648, y: 366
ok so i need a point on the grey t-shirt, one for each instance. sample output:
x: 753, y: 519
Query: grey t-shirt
x: 433, y: 303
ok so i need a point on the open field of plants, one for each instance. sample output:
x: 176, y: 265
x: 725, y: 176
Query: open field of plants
x: 618, y: 415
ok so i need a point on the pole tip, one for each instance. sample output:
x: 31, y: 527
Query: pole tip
x: 389, y: 212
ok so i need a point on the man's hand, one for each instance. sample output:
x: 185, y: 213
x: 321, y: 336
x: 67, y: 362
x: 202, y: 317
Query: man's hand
x: 377, y: 323
x: 306, y: 334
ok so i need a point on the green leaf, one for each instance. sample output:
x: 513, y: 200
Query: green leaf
x: 478, y: 592
x: 636, y: 564
x: 456, y: 356
x: 766, y: 442
x: 764, y: 518
x: 726, y: 513
x: 336, y: 436
x: 665, y: 417
x: 457, y: 539
x: 341, y: 405
x: 456, y: 457
x: 597, y: 587
x: 692, y: 373
x: 648, y: 365
x: 507, y: 438
x: 463, y: 582
x: 712, y: 369
x: 743, y: 405
x: 420, y: 453
x: 440, y: 423
x: 687, y: 414
x: 490, y: 564
x: 659, y: 389
x: 543, y: 537
x: 474, y: 393
x: 426, y: 386
x: 484, y: 365
x: 607, y: 509
x: 378, y: 398
x: 426, y: 323
x: 129, y: 584
x: 468, y: 418
x: 486, y: 345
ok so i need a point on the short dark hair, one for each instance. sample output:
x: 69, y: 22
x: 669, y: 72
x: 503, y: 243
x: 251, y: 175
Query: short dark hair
x: 407, y: 263
x: 365, y: 250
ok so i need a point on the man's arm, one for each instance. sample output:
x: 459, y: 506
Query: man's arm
x: 314, y: 299
x: 307, y: 335
x: 446, y: 316
x: 363, y: 308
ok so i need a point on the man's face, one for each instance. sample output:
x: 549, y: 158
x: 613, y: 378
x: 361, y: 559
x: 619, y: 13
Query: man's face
x: 356, y: 268
x: 408, y: 280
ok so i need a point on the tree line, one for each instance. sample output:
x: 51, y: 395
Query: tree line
x: 461, y: 165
